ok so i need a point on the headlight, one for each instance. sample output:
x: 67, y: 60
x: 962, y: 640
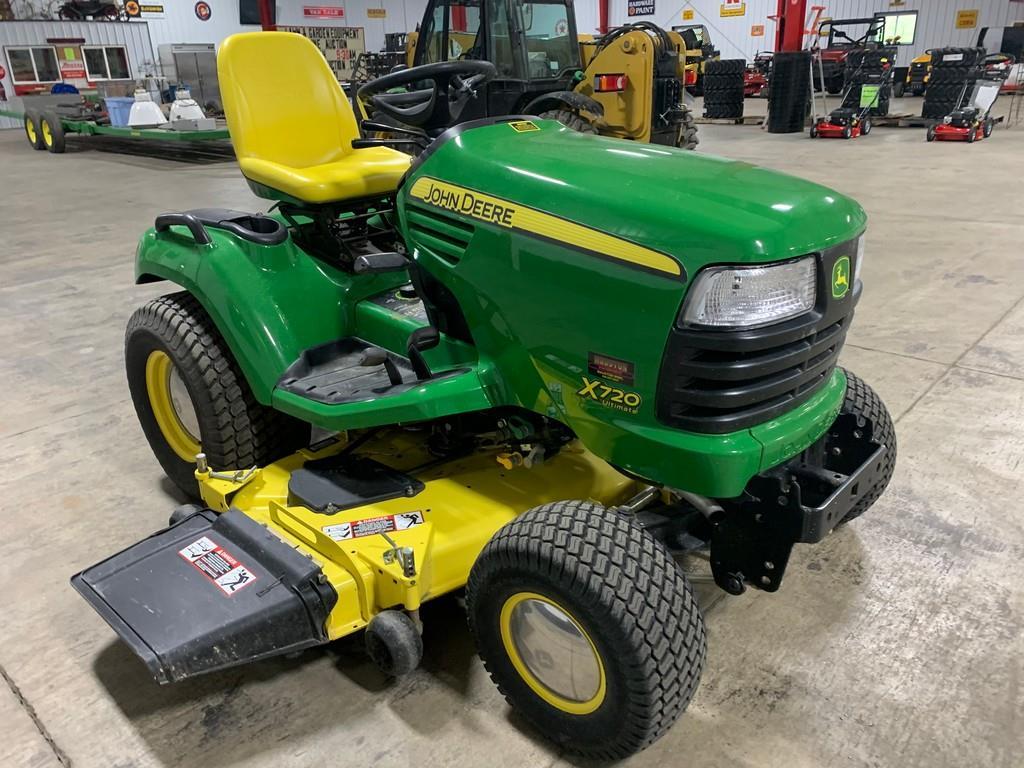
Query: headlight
x: 858, y: 261
x: 724, y: 297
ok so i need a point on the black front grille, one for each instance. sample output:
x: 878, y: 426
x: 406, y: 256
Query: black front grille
x: 717, y: 381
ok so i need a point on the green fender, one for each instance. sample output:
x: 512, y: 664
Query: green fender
x: 268, y: 302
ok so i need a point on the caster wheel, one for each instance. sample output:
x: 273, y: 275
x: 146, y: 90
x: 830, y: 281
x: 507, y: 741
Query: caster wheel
x: 393, y: 643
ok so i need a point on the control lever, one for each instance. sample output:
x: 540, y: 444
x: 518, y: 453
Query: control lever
x: 421, y: 340
x: 374, y: 356
x: 372, y: 263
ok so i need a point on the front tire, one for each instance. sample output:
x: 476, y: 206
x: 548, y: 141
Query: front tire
x: 587, y: 626
x: 863, y: 402
x: 190, y: 395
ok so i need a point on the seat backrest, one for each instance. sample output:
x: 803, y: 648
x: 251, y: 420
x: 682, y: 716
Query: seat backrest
x: 282, y: 101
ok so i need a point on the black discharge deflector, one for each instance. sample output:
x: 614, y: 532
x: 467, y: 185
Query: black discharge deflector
x: 173, y: 613
x: 342, y: 482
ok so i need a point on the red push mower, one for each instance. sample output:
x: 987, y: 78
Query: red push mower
x: 848, y: 122
x: 972, y: 118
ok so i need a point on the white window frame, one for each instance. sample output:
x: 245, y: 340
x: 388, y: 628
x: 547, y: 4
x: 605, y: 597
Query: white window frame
x: 106, y: 63
x: 914, y: 13
x: 35, y: 70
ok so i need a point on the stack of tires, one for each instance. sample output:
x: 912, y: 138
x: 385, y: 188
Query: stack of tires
x: 869, y: 66
x: 952, y: 69
x: 723, y: 88
x: 790, y: 99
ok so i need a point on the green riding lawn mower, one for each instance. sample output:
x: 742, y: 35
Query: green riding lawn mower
x: 527, y: 366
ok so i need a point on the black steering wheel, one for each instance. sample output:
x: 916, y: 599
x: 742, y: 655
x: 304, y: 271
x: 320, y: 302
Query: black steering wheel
x: 454, y: 83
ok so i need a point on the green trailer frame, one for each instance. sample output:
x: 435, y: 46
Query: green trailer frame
x: 92, y: 128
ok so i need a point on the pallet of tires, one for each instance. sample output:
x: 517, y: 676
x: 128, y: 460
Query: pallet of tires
x: 790, y: 98
x: 952, y: 70
x: 723, y: 88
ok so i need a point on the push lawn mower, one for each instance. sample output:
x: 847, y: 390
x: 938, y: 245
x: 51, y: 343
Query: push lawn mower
x: 520, y: 390
x: 972, y: 119
x: 863, y: 94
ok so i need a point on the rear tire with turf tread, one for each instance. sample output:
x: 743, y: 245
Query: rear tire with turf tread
x: 862, y: 401
x: 236, y: 432
x: 570, y: 120
x: 625, y: 594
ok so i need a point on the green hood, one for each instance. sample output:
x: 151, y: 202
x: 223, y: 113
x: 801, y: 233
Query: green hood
x: 697, y: 208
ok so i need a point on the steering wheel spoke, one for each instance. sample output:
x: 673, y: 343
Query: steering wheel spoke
x: 436, y: 107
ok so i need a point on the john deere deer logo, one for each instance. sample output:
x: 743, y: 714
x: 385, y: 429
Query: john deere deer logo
x: 841, y: 277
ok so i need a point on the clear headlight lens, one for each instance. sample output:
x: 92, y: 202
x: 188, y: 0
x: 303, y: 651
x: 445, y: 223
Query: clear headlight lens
x: 728, y: 297
x: 859, y: 259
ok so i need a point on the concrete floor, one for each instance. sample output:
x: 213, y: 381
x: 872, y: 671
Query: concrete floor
x: 896, y: 642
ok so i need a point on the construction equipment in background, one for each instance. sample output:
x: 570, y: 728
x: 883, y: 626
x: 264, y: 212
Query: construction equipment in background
x: 699, y: 51
x: 627, y: 83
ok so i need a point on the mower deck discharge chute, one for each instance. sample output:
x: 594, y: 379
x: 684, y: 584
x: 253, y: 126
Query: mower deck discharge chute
x: 539, y: 369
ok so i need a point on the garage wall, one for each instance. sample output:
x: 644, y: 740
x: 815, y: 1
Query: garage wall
x: 180, y: 24
x: 935, y: 23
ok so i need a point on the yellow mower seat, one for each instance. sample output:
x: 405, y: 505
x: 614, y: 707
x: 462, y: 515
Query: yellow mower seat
x: 292, y: 125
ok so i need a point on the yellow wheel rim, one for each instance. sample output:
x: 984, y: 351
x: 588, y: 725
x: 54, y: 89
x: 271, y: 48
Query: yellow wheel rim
x: 47, y: 136
x: 552, y: 653
x: 170, y: 415
x: 30, y: 131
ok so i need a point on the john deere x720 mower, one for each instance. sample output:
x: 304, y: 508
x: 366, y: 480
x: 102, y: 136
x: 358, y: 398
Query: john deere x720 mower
x: 529, y: 364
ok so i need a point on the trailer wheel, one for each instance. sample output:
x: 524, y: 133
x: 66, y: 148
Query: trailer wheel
x: 32, y: 130
x: 862, y: 401
x: 569, y: 120
x: 930, y: 134
x: 52, y: 130
x: 191, y: 396
x: 587, y: 626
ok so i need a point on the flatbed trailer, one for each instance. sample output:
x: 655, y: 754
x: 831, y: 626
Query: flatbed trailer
x: 48, y: 130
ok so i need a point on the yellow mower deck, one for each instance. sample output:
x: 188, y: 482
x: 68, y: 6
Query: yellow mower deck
x: 464, y: 502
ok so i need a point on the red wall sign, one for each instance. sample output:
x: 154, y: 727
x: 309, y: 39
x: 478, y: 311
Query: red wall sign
x: 323, y: 11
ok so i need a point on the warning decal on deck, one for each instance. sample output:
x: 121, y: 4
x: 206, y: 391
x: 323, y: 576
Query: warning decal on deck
x: 217, y: 565
x: 371, y: 526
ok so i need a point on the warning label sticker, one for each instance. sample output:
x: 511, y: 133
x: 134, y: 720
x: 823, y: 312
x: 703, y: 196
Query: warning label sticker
x: 371, y: 526
x: 217, y: 565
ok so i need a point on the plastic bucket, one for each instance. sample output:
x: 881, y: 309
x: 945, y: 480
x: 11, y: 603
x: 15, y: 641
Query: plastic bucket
x: 119, y: 108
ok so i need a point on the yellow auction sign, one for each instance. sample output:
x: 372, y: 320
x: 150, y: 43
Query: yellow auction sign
x: 966, y: 19
x: 688, y: 14
x: 732, y: 8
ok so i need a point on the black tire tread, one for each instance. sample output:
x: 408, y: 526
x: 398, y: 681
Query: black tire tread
x: 245, y: 432
x: 569, y: 120
x: 601, y: 555
x: 862, y: 400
